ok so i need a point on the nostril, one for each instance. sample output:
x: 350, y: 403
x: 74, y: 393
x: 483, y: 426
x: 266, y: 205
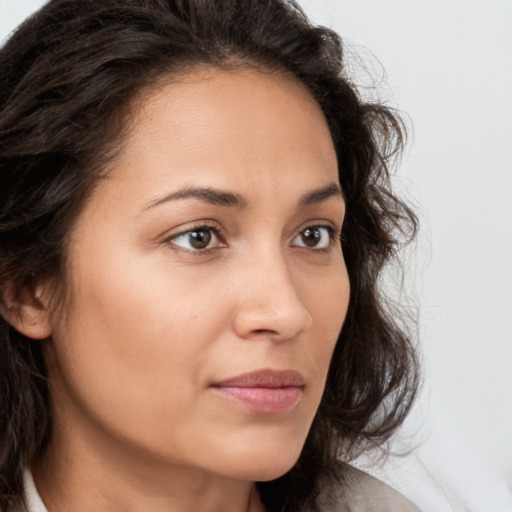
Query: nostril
x: 264, y: 331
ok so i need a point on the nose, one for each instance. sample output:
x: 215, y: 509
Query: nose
x: 268, y: 302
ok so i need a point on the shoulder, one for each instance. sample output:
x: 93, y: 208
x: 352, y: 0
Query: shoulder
x: 345, y: 488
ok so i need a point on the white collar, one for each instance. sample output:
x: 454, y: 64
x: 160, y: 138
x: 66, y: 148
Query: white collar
x: 32, y: 498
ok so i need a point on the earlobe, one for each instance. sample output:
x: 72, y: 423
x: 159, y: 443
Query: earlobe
x: 27, y: 310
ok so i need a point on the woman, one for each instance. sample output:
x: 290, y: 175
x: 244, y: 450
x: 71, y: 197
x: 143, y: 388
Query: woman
x: 194, y: 214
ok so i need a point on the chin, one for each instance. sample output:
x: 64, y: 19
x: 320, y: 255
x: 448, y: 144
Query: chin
x: 261, y: 472
x: 269, y: 473
x: 261, y: 463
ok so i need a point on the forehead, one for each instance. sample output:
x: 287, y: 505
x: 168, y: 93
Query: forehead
x: 232, y: 129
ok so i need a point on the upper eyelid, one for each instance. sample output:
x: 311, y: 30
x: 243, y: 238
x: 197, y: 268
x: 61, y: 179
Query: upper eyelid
x: 192, y: 226
x: 321, y: 223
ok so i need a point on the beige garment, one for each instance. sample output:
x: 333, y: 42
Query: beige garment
x: 342, y: 490
x: 347, y: 489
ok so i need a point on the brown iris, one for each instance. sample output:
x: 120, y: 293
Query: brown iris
x: 200, y: 238
x: 311, y: 237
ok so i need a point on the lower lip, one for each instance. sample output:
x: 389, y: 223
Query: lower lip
x: 264, y: 400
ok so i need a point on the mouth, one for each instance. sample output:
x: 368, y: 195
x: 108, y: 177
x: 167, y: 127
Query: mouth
x: 264, y: 391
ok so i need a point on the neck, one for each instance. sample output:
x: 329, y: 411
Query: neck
x: 103, y: 478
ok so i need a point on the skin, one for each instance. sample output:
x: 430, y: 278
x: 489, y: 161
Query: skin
x: 149, y: 322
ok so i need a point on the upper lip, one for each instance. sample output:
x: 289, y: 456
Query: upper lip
x: 267, y: 378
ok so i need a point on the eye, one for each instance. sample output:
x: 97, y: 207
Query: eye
x: 198, y: 239
x: 315, y: 237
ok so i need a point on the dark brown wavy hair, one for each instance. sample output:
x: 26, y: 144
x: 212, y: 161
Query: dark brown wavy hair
x: 68, y: 78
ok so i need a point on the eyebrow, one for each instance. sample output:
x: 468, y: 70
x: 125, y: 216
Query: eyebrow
x: 320, y: 194
x: 232, y: 200
x: 207, y: 194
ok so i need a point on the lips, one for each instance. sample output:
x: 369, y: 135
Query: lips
x: 263, y: 391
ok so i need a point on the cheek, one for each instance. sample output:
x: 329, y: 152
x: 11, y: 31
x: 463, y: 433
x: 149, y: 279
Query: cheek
x: 329, y: 305
x: 132, y: 341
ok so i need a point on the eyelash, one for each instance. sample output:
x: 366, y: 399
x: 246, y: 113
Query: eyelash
x: 332, y: 233
x: 199, y: 252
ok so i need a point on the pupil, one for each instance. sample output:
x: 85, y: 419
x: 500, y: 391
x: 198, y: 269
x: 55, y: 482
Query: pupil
x: 200, y: 238
x: 311, y: 237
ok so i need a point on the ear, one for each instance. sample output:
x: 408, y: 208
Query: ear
x: 27, y: 310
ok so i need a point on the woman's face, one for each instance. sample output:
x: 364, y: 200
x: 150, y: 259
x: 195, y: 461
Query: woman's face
x: 206, y: 284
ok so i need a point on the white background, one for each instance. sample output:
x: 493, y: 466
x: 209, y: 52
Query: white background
x: 448, y: 65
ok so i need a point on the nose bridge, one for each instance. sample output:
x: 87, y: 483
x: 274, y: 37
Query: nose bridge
x: 270, y: 301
